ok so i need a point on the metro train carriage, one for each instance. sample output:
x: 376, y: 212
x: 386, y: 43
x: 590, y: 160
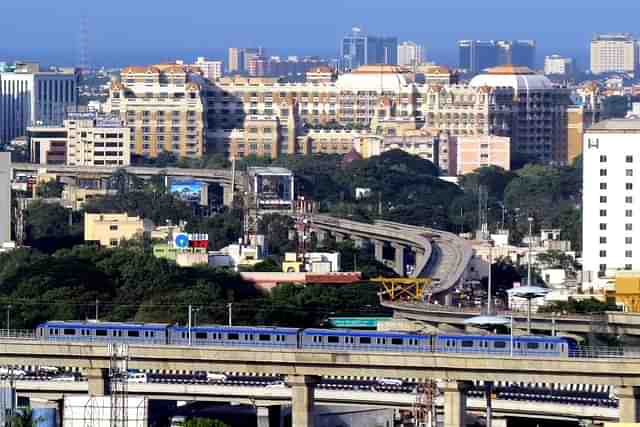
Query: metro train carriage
x: 363, y: 340
x: 501, y: 344
x: 234, y: 336
x: 107, y: 332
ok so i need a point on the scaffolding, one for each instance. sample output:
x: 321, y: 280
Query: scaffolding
x: 118, y: 371
x: 424, y: 407
x: 412, y: 289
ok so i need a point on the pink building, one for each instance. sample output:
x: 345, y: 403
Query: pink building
x: 468, y: 153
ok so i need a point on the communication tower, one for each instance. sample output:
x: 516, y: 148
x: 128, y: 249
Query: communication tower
x: 118, y: 371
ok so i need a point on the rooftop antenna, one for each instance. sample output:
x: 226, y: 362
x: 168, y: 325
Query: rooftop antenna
x: 84, y: 44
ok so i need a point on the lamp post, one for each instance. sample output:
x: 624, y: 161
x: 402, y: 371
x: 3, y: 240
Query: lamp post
x: 530, y: 219
x: 8, y: 319
x: 489, y: 298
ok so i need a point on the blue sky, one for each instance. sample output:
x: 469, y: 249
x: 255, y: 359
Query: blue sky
x: 142, y: 30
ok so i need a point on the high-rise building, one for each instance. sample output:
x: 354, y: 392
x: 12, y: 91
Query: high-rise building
x: 611, y: 229
x: 29, y: 96
x: 478, y: 55
x: 164, y: 107
x: 558, y: 65
x: 5, y: 198
x: 358, y: 49
x: 410, y: 54
x: 614, y: 53
x: 236, y: 60
x: 211, y: 70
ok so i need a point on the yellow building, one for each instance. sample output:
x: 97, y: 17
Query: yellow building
x: 111, y: 229
x: 628, y: 290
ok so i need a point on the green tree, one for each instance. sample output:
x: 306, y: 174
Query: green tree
x: 615, y: 106
x: 50, y: 189
x: 49, y: 227
x: 24, y: 418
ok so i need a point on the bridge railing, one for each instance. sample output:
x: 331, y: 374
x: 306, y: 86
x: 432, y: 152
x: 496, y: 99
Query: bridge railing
x: 24, y: 334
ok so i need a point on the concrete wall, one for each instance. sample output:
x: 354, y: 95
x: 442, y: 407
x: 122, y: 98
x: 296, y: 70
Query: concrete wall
x: 5, y: 198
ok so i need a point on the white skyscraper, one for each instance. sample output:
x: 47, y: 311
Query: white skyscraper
x: 211, y: 70
x: 559, y: 65
x: 5, y: 198
x: 611, y: 205
x: 410, y: 53
x: 29, y: 96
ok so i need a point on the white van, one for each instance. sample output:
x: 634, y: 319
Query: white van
x: 213, y: 376
x: 389, y: 381
x: 138, y: 378
x: 178, y: 421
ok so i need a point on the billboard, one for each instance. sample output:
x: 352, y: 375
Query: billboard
x: 190, y: 191
x: 96, y: 411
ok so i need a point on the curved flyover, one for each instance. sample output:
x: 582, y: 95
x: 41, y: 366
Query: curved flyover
x: 441, y: 256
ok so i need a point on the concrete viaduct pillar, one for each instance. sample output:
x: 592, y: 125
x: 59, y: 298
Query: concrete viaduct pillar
x: 98, y: 381
x: 339, y: 236
x: 268, y: 416
x: 398, y: 264
x: 302, y: 399
x: 455, y: 402
x: 378, y: 246
x: 227, y: 195
x: 629, y: 405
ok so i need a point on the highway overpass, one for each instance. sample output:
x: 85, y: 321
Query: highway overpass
x: 223, y: 177
x: 304, y: 367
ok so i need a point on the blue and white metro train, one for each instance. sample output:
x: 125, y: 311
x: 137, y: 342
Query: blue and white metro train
x: 325, y: 339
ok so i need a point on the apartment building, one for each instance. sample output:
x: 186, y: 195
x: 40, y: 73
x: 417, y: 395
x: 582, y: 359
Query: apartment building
x: 610, y: 200
x: 211, y: 70
x: 585, y: 111
x: 110, y: 229
x: 30, y: 96
x: 164, y: 107
x: 410, y: 54
x: 558, y: 65
x: 614, y: 53
x: 475, y: 152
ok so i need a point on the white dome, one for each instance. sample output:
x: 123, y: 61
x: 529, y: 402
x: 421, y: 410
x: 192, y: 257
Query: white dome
x: 519, y: 78
x: 373, y: 78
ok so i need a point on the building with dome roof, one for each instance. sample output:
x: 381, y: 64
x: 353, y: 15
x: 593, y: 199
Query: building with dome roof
x: 537, y: 120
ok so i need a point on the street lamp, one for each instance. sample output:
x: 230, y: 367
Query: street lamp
x: 530, y: 219
x: 528, y: 293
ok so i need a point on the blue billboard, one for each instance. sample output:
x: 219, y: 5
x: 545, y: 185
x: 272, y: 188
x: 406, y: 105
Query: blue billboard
x: 189, y: 190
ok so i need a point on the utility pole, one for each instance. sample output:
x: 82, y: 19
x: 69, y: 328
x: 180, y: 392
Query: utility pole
x: 97, y: 308
x: 189, y: 332
x: 530, y: 219
x: 489, y: 298
x: 8, y: 319
x: 229, y: 305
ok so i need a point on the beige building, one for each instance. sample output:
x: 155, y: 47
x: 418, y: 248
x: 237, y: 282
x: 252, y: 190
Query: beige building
x: 164, y: 108
x: 110, y: 229
x: 75, y: 197
x: 47, y: 144
x: 211, y: 70
x: 558, y: 65
x: 100, y: 141
x: 581, y: 116
x: 614, y: 53
x: 473, y: 152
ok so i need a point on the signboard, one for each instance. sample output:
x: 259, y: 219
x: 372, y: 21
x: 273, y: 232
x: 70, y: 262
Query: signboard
x: 81, y: 115
x: 189, y: 190
x: 356, y: 322
x: 191, y: 240
x: 108, y: 122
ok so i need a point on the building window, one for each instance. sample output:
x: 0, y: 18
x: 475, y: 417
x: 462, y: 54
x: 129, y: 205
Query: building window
x: 603, y: 254
x: 629, y: 172
x: 629, y: 159
x: 113, y: 227
x: 603, y: 240
x: 603, y: 185
x: 628, y: 227
x: 628, y: 199
x: 603, y: 199
x: 603, y: 267
x: 627, y: 266
x: 113, y: 242
x: 603, y: 212
x: 628, y: 240
x: 628, y: 254
x: 603, y: 226
x: 628, y: 213
x: 603, y: 172
x: 603, y: 159
x: 629, y: 186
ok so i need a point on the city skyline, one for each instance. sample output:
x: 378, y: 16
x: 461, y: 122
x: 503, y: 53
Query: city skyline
x: 194, y: 32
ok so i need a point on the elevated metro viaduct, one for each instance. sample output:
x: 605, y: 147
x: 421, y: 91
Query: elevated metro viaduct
x: 304, y: 367
x: 222, y: 177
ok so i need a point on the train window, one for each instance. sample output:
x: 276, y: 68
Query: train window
x: 467, y: 343
x: 333, y: 339
x: 533, y: 345
x: 69, y: 331
x: 266, y: 337
x: 233, y: 336
x: 499, y: 344
x: 152, y: 334
x: 101, y: 332
x: 201, y: 335
x: 365, y: 340
x: 396, y: 341
x: 133, y: 333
